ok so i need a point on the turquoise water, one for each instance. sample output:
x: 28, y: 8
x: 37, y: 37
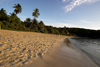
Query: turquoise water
x: 90, y: 47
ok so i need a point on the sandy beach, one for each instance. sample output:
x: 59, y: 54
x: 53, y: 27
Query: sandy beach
x: 29, y: 49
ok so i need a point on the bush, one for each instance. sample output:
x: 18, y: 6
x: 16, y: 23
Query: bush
x: 0, y: 24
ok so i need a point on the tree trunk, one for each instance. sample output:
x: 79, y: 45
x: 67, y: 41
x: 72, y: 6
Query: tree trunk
x: 31, y: 24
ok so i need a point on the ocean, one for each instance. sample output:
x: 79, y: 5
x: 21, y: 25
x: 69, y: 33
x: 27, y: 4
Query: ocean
x: 90, y: 47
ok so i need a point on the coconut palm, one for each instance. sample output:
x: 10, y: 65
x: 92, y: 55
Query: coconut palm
x: 18, y: 8
x: 35, y: 14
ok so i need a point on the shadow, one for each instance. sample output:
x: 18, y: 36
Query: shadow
x: 40, y: 55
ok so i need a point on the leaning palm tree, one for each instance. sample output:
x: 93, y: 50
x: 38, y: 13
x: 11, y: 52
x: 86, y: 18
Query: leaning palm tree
x: 18, y: 8
x: 35, y: 14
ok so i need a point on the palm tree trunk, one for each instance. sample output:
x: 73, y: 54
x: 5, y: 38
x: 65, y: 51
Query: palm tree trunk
x: 31, y: 24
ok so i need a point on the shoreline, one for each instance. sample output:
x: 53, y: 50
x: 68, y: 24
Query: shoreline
x: 61, y: 56
x: 28, y: 49
x: 89, y: 56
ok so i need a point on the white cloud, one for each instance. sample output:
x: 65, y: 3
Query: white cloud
x: 63, y: 0
x: 75, y: 3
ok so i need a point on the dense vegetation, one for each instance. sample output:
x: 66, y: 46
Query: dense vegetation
x: 12, y: 22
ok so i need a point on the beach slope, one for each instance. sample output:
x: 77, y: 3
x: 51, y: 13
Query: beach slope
x: 63, y: 56
x: 28, y: 49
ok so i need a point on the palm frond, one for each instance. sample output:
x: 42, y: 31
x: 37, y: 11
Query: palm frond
x: 36, y: 13
x: 15, y: 4
x: 18, y: 8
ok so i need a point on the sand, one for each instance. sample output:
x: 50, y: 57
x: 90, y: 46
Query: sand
x: 28, y: 49
x: 19, y: 48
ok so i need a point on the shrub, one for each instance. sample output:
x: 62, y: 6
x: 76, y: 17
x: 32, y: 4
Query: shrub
x: 0, y: 24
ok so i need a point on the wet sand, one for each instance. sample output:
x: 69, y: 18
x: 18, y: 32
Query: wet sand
x: 63, y: 56
x: 28, y: 49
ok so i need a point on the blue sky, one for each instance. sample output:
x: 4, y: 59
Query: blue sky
x: 59, y: 13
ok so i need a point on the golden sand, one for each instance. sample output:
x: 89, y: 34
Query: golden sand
x: 19, y: 48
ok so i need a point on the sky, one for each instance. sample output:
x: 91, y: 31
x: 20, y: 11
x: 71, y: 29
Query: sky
x: 59, y: 13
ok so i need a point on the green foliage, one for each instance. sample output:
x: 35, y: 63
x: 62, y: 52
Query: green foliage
x: 42, y: 27
x: 45, y: 31
x: 14, y: 19
x: 1, y: 22
x: 3, y: 15
x: 35, y: 22
x: 50, y: 29
x: 35, y: 28
x: 41, y: 24
x: 28, y: 20
x: 57, y: 32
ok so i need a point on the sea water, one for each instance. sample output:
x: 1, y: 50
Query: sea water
x: 90, y: 47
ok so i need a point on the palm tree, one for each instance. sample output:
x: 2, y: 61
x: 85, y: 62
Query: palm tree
x: 35, y: 14
x: 28, y: 20
x: 18, y: 8
x: 12, y: 14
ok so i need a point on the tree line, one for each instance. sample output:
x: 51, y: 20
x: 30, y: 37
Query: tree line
x: 12, y: 22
